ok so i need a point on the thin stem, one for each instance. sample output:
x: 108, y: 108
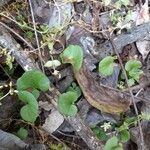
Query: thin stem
x: 19, y: 24
x: 36, y: 36
x: 132, y: 96
x: 8, y: 28
x: 5, y: 95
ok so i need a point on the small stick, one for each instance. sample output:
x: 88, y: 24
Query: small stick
x: 21, y: 38
x: 132, y: 96
x: 36, y: 36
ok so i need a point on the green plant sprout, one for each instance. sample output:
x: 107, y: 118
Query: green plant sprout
x: 122, y: 134
x: 9, y: 59
x: 133, y: 68
x: 66, y: 103
x: 34, y: 81
x: 74, y: 88
x: 53, y: 64
x: 73, y: 54
x: 22, y: 133
x: 106, y: 66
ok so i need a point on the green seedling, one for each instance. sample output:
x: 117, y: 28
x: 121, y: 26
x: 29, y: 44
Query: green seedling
x: 106, y: 66
x: 22, y: 133
x: 73, y: 54
x: 33, y: 81
x: 66, y: 103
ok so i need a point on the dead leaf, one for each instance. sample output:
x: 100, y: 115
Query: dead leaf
x: 143, y: 15
x: 143, y: 46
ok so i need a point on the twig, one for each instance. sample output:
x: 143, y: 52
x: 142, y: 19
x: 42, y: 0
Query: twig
x: 79, y: 126
x: 144, y: 84
x: 139, y: 92
x: 19, y: 24
x: 36, y: 36
x: 7, y: 27
x: 58, y: 9
x: 5, y: 95
x: 132, y: 96
x: 10, y: 44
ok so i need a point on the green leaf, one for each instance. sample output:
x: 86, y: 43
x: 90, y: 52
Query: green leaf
x: 133, y: 64
x: 133, y: 68
x: 131, y: 82
x: 135, y: 74
x: 66, y: 103
x: 106, y: 2
x: 106, y: 66
x: 112, y: 143
x: 22, y: 133
x: 50, y: 46
x: 74, y: 88
x: 29, y: 112
x: 124, y: 136
x: 29, y: 34
x: 128, y: 17
x: 36, y: 93
x: 73, y: 54
x: 33, y: 79
x: 125, y: 2
x: 100, y: 133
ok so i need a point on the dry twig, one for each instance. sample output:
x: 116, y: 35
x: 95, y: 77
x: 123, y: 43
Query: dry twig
x: 132, y: 96
x: 36, y: 36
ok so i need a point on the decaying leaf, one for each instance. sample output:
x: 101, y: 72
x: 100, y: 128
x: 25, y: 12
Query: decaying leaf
x: 143, y: 15
x: 143, y: 46
x: 99, y: 97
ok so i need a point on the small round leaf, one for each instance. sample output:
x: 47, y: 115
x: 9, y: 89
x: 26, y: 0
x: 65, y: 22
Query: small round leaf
x: 73, y: 54
x: 29, y: 112
x: 106, y: 66
x: 66, y: 103
x: 133, y: 64
x: 124, y: 136
x: 111, y: 143
x: 22, y: 133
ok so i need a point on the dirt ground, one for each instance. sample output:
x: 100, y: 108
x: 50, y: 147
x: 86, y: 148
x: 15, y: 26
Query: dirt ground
x: 94, y: 59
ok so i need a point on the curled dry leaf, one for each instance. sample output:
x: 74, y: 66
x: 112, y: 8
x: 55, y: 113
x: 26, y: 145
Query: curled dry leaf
x: 99, y: 97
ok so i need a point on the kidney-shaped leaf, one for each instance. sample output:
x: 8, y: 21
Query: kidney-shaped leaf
x: 29, y: 112
x: 106, y: 66
x: 33, y: 79
x: 124, y: 136
x: 73, y: 54
x: 111, y: 143
x: 66, y: 103
x: 22, y: 133
x: 133, y: 64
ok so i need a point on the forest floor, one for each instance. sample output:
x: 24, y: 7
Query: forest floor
x: 75, y: 74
